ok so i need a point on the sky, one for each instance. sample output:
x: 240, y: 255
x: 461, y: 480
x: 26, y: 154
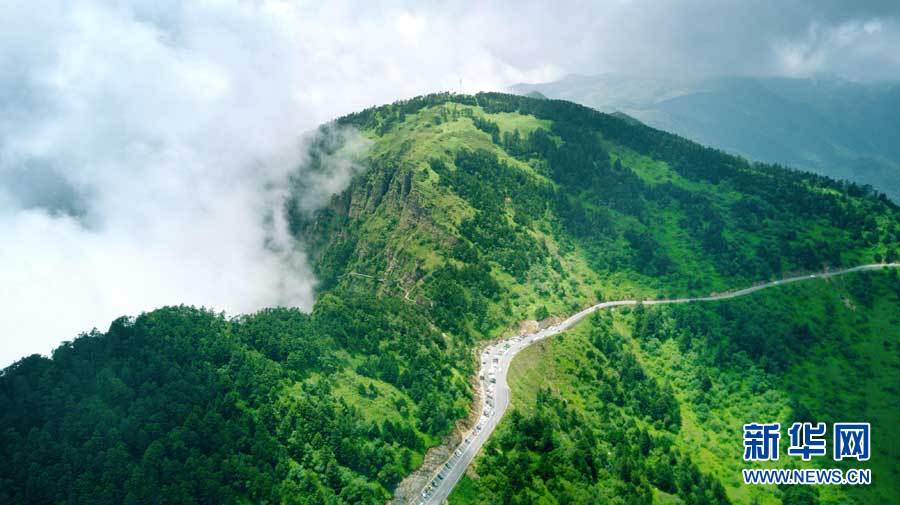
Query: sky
x: 145, y: 144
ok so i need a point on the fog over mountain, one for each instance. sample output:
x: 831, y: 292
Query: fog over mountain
x: 143, y: 143
x: 833, y: 126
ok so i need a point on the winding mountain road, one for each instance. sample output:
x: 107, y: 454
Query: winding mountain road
x: 495, y: 361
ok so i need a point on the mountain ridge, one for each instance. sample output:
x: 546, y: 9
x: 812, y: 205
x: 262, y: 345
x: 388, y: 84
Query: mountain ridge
x: 831, y: 126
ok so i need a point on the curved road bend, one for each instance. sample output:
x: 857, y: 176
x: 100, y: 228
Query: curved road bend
x: 495, y: 362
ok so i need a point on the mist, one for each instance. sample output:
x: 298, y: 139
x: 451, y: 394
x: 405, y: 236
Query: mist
x: 145, y: 145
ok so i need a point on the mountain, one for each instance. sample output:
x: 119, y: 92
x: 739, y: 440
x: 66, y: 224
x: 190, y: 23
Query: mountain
x: 838, y: 128
x: 470, y: 215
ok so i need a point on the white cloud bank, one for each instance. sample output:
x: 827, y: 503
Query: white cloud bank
x: 137, y: 140
x: 138, y: 137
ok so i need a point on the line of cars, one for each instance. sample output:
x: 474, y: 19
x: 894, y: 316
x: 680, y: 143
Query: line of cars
x: 490, y: 368
x: 446, y: 468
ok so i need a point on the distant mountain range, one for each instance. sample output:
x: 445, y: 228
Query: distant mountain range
x: 834, y: 127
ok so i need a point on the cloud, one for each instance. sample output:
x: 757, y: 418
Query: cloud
x: 143, y: 142
x: 692, y: 38
x: 144, y: 146
x: 858, y: 49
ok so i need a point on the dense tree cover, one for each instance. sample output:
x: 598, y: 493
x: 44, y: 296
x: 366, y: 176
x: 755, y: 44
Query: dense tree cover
x: 772, y: 228
x: 462, y: 294
x: 597, y: 413
x: 817, y: 352
x: 773, y: 205
x: 613, y: 444
x: 571, y: 121
x: 825, y: 126
x: 181, y: 405
x: 578, y: 181
x: 770, y: 336
x: 488, y: 184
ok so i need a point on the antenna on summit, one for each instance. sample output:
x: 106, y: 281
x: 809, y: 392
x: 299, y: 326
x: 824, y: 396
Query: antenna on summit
x: 460, y: 85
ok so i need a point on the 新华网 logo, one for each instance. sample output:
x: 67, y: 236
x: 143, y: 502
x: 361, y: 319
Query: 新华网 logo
x: 849, y: 441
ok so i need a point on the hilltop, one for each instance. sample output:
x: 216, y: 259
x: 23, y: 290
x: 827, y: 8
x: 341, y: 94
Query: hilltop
x: 544, y: 202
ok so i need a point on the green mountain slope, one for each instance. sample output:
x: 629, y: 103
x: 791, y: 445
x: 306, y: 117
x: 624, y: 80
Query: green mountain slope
x: 473, y: 214
x: 647, y: 405
x: 183, y: 406
x: 516, y: 203
x: 831, y: 126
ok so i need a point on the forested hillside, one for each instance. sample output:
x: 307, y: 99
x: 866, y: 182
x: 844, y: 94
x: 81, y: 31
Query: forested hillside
x: 182, y: 405
x: 523, y: 202
x: 473, y: 213
x: 836, y: 127
x: 647, y: 405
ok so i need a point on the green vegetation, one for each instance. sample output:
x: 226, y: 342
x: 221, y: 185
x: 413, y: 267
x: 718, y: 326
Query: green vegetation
x: 181, y: 405
x: 472, y: 213
x: 822, y: 352
x: 553, y: 200
x: 829, y: 126
x: 602, y: 429
x: 657, y: 396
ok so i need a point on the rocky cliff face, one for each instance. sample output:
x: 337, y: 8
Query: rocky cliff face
x: 363, y: 231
